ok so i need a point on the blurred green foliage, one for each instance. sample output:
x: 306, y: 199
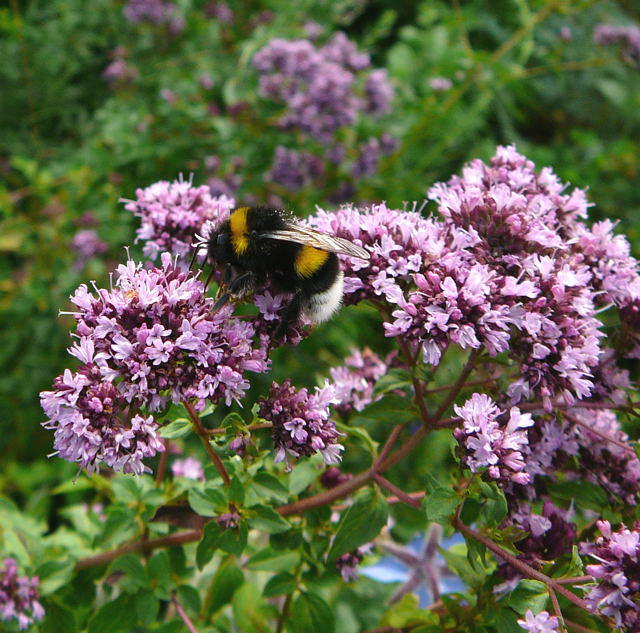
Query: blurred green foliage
x: 71, y: 143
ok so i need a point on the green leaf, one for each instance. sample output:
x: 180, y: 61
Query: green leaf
x: 392, y: 380
x: 249, y: 610
x: 505, y: 621
x: 225, y: 582
x: 207, y: 503
x: 494, y: 503
x: 57, y: 618
x: 585, y: 494
x: 208, y: 543
x: 311, y: 614
x: 279, y: 585
x: 235, y: 491
x: 359, y: 524
x: 159, y: 571
x: 53, y: 574
x: 390, y: 408
x: 268, y: 487
x: 190, y: 599
x: 302, y: 476
x: 529, y: 594
x: 459, y: 565
x: 233, y: 420
x: 273, y: 560
x: 440, y: 504
x: 126, y: 489
x: 147, y: 607
x: 176, y: 429
x: 268, y: 520
x: 135, y: 573
x: 234, y: 540
x: 115, y: 616
x: 406, y: 613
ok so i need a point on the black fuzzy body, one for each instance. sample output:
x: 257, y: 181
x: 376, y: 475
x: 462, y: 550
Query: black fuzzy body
x: 250, y: 261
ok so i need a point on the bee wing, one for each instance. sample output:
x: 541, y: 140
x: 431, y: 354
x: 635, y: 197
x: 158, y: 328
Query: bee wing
x: 304, y: 235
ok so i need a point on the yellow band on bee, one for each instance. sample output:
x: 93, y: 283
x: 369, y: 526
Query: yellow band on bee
x: 309, y: 260
x: 238, y: 222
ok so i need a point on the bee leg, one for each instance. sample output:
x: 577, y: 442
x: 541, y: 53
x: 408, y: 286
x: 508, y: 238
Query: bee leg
x: 237, y: 289
x: 242, y: 285
x: 291, y: 315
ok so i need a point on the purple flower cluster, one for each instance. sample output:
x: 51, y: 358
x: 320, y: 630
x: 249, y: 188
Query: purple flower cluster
x: 171, y: 213
x: 510, y: 267
x: 488, y: 442
x: 617, y: 573
x: 294, y: 169
x: 301, y: 424
x: 319, y: 84
x: 440, y: 84
x: 18, y: 596
x: 549, y: 535
x: 399, y: 242
x: 353, y: 382
x: 154, y: 12
x: 86, y: 245
x: 89, y: 416
x: 119, y: 72
x: 347, y: 564
x: 540, y: 623
x: 369, y: 154
x: 628, y: 36
x: 603, y: 453
x: 189, y: 468
x: 150, y: 340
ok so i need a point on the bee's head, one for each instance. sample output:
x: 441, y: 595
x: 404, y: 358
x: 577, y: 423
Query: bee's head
x: 220, y: 245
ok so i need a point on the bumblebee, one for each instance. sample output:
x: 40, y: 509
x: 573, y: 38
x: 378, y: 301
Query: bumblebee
x: 261, y: 244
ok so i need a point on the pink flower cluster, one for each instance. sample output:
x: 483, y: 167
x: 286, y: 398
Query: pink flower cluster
x: 171, y: 213
x: 603, y: 453
x: 627, y: 36
x: 617, y: 573
x: 353, y: 382
x: 301, y: 424
x: 18, y: 596
x: 150, y: 340
x: 155, y: 12
x: 510, y: 266
x: 540, y: 623
x: 489, y: 442
x: 319, y: 84
x: 189, y: 468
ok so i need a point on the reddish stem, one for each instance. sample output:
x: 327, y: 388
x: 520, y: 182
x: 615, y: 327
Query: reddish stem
x: 403, y: 496
x: 184, y: 617
x: 204, y: 438
x: 516, y: 563
x: 179, y: 538
x: 601, y: 434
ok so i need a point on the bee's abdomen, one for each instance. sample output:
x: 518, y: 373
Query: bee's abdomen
x: 323, y: 289
x: 321, y: 306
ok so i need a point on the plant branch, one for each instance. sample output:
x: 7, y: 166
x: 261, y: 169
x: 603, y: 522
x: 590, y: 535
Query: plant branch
x: 179, y: 538
x: 522, y: 567
x: 403, y: 496
x: 599, y: 433
x: 181, y: 612
x: 576, y: 580
x: 204, y: 437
